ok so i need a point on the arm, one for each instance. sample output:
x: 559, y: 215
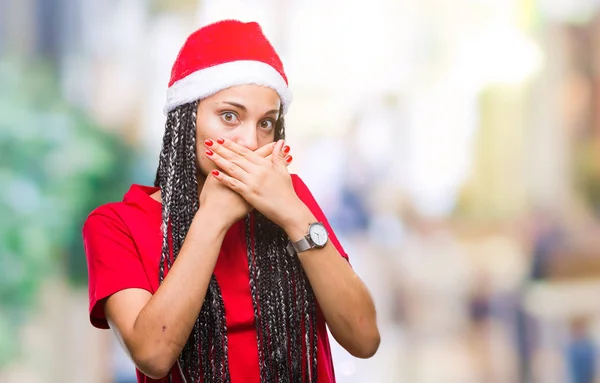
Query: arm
x: 155, y: 328
x: 344, y: 299
x: 267, y: 186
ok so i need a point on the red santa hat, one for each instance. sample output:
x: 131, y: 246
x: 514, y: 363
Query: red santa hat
x: 222, y: 55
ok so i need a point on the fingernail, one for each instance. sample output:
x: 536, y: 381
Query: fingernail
x: 209, y: 152
x: 221, y: 141
x: 286, y: 149
x: 288, y: 159
x: 208, y: 142
x: 215, y: 172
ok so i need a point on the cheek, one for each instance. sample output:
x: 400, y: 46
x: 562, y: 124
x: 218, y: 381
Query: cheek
x: 264, y: 139
x: 206, y: 127
x: 211, y: 126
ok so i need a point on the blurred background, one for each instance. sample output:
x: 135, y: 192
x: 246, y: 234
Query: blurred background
x: 452, y: 144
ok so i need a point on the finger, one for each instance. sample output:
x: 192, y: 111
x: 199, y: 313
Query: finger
x: 278, y: 154
x: 288, y: 156
x: 266, y: 150
x: 229, y: 167
x: 288, y: 160
x: 230, y: 182
x: 239, y: 150
x: 222, y: 149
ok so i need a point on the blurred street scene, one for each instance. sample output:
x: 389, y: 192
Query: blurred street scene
x: 454, y: 146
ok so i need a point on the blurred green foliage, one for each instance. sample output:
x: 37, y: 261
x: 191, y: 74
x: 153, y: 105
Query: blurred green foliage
x: 56, y: 166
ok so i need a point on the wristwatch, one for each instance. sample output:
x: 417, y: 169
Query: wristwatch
x: 316, y: 238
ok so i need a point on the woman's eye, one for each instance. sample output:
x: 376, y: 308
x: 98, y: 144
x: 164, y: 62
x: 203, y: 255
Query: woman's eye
x: 267, y: 124
x: 229, y: 117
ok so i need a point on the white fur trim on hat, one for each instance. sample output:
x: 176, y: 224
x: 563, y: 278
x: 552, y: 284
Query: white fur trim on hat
x: 208, y: 81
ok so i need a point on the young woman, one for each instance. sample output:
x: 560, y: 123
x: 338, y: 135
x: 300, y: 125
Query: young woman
x: 226, y: 270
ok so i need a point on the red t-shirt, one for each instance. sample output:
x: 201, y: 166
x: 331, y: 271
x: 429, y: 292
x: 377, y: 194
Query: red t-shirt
x: 123, y: 243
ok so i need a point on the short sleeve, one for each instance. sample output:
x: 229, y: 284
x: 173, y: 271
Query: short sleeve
x: 113, y: 262
x: 306, y: 196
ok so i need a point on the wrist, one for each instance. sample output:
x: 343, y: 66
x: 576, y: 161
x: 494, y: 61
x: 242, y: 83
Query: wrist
x: 297, y: 222
x: 212, y: 220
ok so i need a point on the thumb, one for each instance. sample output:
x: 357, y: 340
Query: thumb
x: 278, y: 154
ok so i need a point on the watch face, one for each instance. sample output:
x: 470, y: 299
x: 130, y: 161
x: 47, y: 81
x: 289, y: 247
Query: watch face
x: 318, y: 234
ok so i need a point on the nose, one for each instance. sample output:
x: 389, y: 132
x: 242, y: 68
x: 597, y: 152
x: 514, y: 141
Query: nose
x: 247, y: 137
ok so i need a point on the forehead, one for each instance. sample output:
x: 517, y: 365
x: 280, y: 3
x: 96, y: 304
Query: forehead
x: 250, y: 96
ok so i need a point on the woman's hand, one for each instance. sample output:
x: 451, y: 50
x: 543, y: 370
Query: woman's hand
x: 226, y: 206
x: 264, y: 183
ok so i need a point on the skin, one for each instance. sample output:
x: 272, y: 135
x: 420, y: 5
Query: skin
x: 235, y: 133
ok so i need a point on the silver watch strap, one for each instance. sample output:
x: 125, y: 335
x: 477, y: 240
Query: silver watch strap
x: 302, y: 245
x: 290, y: 249
x: 299, y: 246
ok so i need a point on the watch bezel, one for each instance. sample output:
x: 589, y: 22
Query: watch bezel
x: 311, y: 228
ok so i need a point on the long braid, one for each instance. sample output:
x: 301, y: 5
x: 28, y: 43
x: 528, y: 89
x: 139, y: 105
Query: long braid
x: 254, y: 277
x: 279, y: 296
x: 289, y: 315
x: 178, y: 181
x: 283, y: 301
x: 292, y: 321
x: 296, y: 280
x: 166, y: 144
x: 266, y: 254
x: 166, y: 184
x: 289, y: 344
x: 176, y: 176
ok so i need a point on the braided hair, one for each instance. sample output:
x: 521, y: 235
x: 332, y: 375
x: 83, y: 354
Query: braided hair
x: 283, y: 301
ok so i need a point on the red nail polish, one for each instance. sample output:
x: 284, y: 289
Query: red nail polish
x: 209, y: 152
x: 221, y: 141
x: 215, y: 172
x: 288, y: 159
x: 286, y: 149
x: 208, y: 142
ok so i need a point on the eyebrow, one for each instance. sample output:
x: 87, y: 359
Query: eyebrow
x: 243, y: 108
